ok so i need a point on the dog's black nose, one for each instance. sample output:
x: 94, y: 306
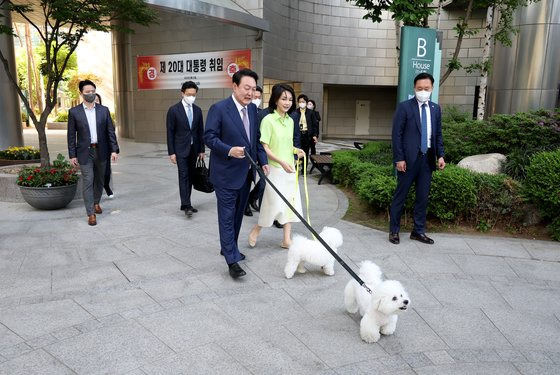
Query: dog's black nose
x: 405, y: 302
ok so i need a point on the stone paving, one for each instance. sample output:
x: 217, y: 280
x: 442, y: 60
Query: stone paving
x: 146, y: 292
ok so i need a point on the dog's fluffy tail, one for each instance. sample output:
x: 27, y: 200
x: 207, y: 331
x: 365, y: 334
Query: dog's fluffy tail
x: 370, y: 273
x: 350, y: 298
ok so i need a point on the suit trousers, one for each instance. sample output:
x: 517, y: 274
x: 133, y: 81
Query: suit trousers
x: 421, y: 175
x: 185, y: 168
x: 231, y: 205
x: 257, y: 192
x: 305, y: 144
x: 93, y: 173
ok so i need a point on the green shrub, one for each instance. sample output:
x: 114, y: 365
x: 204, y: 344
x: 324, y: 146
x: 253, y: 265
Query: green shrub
x: 452, y: 113
x: 452, y: 193
x: 377, y: 190
x: 554, y: 228
x: 20, y: 153
x: 533, y: 131
x: 498, y: 200
x: 61, y: 116
x: 342, y: 161
x: 542, y: 184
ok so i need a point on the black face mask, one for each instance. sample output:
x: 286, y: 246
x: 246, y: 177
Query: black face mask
x: 90, y: 98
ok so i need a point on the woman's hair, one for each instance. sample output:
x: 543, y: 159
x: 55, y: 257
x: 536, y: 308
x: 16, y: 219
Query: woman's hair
x: 99, y: 97
x: 276, y: 93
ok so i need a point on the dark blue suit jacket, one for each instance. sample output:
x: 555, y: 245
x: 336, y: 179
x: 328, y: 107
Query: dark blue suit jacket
x: 224, y: 130
x: 407, y: 132
x: 179, y: 133
x: 79, y: 138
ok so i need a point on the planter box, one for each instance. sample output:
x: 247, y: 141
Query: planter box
x: 57, y: 125
x: 49, y: 198
x: 4, y: 162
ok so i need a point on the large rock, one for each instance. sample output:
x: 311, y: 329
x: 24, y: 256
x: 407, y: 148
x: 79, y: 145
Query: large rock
x: 485, y: 163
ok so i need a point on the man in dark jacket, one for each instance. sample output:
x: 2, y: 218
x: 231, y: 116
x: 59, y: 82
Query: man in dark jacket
x: 185, y: 144
x: 305, y: 120
x: 91, y: 139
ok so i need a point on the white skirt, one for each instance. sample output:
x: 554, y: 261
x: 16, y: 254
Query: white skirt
x: 273, y: 207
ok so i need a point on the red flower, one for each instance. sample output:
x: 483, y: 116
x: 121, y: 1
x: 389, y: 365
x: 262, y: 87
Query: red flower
x: 53, y: 171
x: 30, y: 177
x: 37, y: 170
x: 21, y: 178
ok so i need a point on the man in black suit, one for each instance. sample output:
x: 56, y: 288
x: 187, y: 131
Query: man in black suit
x: 417, y: 149
x: 184, y: 141
x: 91, y: 139
x: 307, y: 124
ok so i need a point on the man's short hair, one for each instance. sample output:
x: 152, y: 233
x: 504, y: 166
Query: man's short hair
x: 259, y: 89
x: 424, y: 76
x: 242, y: 73
x: 85, y: 82
x: 189, y: 85
x: 303, y: 96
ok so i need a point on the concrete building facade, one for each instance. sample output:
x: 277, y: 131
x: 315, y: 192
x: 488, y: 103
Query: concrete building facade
x: 348, y: 65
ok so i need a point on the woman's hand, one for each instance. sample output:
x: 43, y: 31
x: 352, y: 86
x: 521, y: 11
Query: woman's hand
x: 287, y: 167
x: 300, y: 153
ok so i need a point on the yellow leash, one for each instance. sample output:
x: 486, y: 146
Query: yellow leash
x: 304, y: 183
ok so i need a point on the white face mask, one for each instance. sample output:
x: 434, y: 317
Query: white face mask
x: 257, y: 102
x: 189, y: 99
x: 302, y: 105
x: 310, y: 106
x: 423, y: 96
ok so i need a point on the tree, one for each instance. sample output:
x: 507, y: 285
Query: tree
x: 64, y: 24
x: 416, y: 12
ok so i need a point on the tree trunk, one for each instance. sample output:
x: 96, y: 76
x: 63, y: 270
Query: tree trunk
x: 481, y: 108
x: 43, y: 148
x: 439, y: 6
x: 30, y: 67
x: 459, y: 41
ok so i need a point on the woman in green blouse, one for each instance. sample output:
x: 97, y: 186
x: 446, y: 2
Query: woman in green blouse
x: 277, y: 133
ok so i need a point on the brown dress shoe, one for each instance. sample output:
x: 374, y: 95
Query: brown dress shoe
x: 97, y: 209
x: 92, y: 220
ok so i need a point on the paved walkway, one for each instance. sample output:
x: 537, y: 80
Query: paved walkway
x: 145, y: 292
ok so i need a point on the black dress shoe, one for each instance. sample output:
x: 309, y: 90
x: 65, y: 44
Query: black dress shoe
x: 422, y: 238
x: 236, y: 271
x: 394, y: 238
x: 242, y: 255
x: 254, y: 205
x: 248, y: 211
x: 277, y: 224
x: 189, y: 211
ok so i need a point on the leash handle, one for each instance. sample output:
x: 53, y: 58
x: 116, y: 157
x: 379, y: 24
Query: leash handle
x: 308, y: 226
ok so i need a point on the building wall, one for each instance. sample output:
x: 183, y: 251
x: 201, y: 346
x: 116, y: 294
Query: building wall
x: 322, y: 43
x: 180, y: 33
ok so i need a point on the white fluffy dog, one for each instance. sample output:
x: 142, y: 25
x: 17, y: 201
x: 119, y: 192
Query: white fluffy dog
x: 312, y: 251
x: 380, y: 310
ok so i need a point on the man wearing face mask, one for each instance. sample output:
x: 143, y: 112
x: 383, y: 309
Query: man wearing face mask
x: 311, y: 106
x: 417, y: 150
x: 91, y: 139
x: 185, y: 144
x: 304, y: 118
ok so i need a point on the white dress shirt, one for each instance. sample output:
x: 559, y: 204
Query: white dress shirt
x: 428, y: 118
x: 92, y: 122
x: 187, y: 106
x: 239, y: 107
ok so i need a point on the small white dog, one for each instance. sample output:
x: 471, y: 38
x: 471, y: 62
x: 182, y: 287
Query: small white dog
x: 312, y: 251
x: 380, y: 310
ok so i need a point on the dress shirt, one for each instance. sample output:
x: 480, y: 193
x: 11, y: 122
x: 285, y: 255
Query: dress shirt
x: 92, y: 122
x: 429, y: 120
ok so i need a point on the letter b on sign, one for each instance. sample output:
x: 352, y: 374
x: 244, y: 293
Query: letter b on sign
x: 421, y: 48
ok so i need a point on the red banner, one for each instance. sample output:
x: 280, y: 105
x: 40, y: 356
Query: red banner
x: 207, y: 69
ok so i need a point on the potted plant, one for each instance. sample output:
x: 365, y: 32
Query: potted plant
x: 19, y: 155
x: 49, y: 188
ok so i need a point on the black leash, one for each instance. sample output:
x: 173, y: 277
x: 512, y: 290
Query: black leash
x: 335, y: 255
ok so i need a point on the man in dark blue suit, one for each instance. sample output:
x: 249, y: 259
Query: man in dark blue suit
x: 231, y: 132
x: 184, y: 141
x: 417, y: 148
x: 91, y: 140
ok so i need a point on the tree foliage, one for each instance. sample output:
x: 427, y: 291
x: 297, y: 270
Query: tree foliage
x: 409, y: 12
x: 64, y: 24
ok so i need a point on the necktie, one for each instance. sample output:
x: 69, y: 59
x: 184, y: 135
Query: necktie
x: 424, y: 134
x: 246, y: 123
x: 189, y: 115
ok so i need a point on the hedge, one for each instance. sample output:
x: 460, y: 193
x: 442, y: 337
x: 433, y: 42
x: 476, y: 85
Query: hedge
x: 542, y: 184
